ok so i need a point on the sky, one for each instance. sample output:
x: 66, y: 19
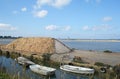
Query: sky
x: 82, y: 19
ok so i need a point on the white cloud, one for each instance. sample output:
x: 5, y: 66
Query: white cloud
x: 61, y: 3
x: 54, y: 3
x: 40, y: 3
x: 85, y: 28
x: 106, y: 19
x: 7, y: 27
x: 23, y: 9
x: 102, y: 27
x: 58, y: 28
x: 51, y: 27
x: 40, y: 14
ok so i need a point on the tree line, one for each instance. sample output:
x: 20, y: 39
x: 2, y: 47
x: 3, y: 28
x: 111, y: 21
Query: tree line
x: 8, y: 37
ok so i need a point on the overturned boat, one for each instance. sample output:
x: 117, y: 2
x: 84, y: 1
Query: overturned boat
x: 77, y: 69
x: 43, y: 70
x: 24, y: 61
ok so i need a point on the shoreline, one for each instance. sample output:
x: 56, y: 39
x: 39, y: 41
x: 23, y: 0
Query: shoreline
x: 91, y: 57
x: 90, y: 40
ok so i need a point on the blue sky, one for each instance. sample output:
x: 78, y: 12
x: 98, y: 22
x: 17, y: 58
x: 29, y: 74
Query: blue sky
x: 83, y: 19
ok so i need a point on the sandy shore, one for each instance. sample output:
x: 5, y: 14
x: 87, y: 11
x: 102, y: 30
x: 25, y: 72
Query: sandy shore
x: 91, y: 57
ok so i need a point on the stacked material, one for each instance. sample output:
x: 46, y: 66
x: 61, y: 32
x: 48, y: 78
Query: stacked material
x: 38, y: 46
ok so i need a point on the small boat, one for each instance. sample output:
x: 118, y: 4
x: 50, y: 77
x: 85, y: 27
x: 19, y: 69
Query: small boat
x: 24, y: 61
x: 43, y: 70
x: 77, y: 69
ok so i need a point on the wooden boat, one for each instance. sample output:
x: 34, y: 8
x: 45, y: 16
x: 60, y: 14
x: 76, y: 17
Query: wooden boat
x: 77, y: 69
x: 43, y: 70
x: 24, y: 61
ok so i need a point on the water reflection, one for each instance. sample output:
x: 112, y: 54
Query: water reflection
x: 13, y: 68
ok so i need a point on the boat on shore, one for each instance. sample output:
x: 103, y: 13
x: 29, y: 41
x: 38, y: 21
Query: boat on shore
x: 43, y: 70
x: 24, y: 61
x: 77, y: 69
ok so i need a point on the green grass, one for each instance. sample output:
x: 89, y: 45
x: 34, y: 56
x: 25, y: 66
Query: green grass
x: 4, y: 76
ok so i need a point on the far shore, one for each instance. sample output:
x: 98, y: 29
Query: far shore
x: 82, y: 40
x: 91, y: 40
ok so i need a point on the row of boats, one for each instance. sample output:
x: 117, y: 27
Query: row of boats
x: 43, y: 70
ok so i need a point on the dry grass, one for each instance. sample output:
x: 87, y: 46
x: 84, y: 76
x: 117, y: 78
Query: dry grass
x: 35, y: 45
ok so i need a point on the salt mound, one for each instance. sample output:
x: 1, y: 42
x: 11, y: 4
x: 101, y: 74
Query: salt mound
x: 38, y: 45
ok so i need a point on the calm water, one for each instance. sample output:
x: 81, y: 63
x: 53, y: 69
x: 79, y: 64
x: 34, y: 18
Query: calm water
x: 13, y: 68
x: 98, y: 46
x: 6, y: 41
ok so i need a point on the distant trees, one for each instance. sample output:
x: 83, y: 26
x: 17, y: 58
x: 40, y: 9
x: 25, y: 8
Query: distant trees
x: 7, y: 37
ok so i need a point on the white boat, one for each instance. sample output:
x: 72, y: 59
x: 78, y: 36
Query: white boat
x: 77, y: 69
x: 24, y: 61
x: 43, y: 70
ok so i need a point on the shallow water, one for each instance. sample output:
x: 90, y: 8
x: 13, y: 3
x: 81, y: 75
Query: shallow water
x: 6, y: 41
x: 13, y: 68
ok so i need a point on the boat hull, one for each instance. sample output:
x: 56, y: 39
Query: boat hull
x: 43, y: 70
x: 76, y: 69
x: 24, y: 61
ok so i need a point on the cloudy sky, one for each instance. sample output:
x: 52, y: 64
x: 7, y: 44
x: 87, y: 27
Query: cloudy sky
x: 84, y: 19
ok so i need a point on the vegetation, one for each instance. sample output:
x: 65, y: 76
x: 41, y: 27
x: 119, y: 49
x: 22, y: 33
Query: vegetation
x: 9, y: 37
x: 0, y: 52
x: 108, y: 51
x: 10, y: 54
x: 117, y: 70
x: 5, y: 76
x: 78, y: 59
x: 99, y: 64
x: 46, y: 57
x: 7, y: 54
